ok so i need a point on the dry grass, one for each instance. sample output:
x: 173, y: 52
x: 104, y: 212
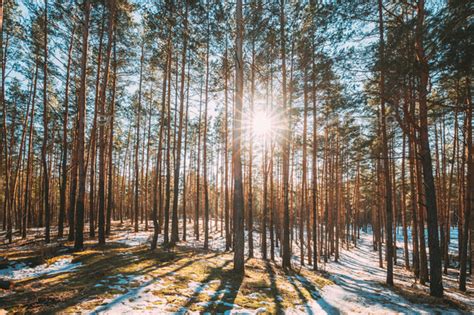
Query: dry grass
x: 95, y: 280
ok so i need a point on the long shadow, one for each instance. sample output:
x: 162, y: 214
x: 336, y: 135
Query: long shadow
x: 230, y: 284
x: 300, y: 295
x: 215, y: 273
x: 80, y: 282
x: 135, y: 291
x: 366, y: 290
x: 274, y: 288
x: 316, y: 296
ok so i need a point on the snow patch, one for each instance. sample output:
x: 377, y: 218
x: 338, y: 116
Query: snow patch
x: 20, y: 271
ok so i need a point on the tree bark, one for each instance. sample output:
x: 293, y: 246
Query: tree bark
x: 79, y: 236
x: 286, y: 258
x: 174, y: 219
x: 236, y: 150
x: 436, y: 285
x: 63, y: 185
x: 47, y: 210
x: 386, y: 163
x: 102, y: 123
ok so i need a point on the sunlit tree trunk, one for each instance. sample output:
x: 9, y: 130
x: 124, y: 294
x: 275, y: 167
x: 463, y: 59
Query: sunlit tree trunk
x: 63, y: 185
x: 228, y: 239
x: 157, y: 199
x: 238, y: 200
x: 136, y: 205
x: 250, y: 144
x: 174, y: 222
x: 110, y: 185
x: 91, y: 158
x: 386, y: 162
x: 198, y: 171
x: 304, y: 213
x: 79, y: 238
x: 469, y: 193
x: 286, y: 257
x: 186, y: 123
x: 315, y: 169
x: 44, y: 148
x: 168, y: 147
x: 102, y: 137
x: 27, y: 193
x: 204, y: 139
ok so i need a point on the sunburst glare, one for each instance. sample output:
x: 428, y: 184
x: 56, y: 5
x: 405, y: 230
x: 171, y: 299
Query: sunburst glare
x: 262, y: 123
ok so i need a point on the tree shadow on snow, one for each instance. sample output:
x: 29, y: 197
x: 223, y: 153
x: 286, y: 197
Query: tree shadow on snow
x: 311, y: 289
x: 230, y: 285
x: 214, y: 274
x: 274, y: 288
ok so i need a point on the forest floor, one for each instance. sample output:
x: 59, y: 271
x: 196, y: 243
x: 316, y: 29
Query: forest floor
x: 125, y: 276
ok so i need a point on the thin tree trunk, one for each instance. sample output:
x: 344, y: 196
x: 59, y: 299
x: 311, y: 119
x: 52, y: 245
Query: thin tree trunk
x: 29, y: 165
x: 315, y: 170
x: 286, y: 258
x: 174, y: 219
x: 238, y: 200
x: 137, y: 142
x: 79, y: 239
x: 228, y: 239
x: 63, y: 186
x: 386, y: 163
x: 469, y: 193
x: 204, y: 158
x: 44, y: 160
x: 110, y: 192
x: 102, y: 136
x: 93, y: 139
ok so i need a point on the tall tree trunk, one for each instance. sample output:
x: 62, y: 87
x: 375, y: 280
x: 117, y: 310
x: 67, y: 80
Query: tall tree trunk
x: 250, y: 144
x: 110, y: 187
x: 26, y: 208
x: 469, y: 193
x: 168, y: 149
x: 186, y: 119
x: 92, y: 156
x: 63, y: 186
x: 386, y: 163
x: 204, y: 157
x: 404, y: 207
x: 158, y: 182
x: 102, y: 123
x: 47, y: 210
x: 110, y: 184
x: 239, y: 242
x: 228, y: 240
x: 174, y: 220
x: 7, y: 219
x: 304, y: 210
x: 286, y: 258
x: 79, y: 237
x: 450, y: 191
x: 198, y: 174
x: 315, y: 168
x: 137, y: 142
x: 436, y: 285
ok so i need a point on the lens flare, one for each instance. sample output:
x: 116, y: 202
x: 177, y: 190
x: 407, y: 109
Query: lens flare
x: 262, y: 124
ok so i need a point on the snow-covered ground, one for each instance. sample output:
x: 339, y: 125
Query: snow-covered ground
x: 358, y: 280
x: 358, y: 284
x: 20, y: 271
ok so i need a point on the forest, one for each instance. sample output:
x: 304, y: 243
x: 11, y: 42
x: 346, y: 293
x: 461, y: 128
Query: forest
x: 237, y: 157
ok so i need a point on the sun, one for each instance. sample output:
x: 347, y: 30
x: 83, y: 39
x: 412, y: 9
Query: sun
x: 262, y: 123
